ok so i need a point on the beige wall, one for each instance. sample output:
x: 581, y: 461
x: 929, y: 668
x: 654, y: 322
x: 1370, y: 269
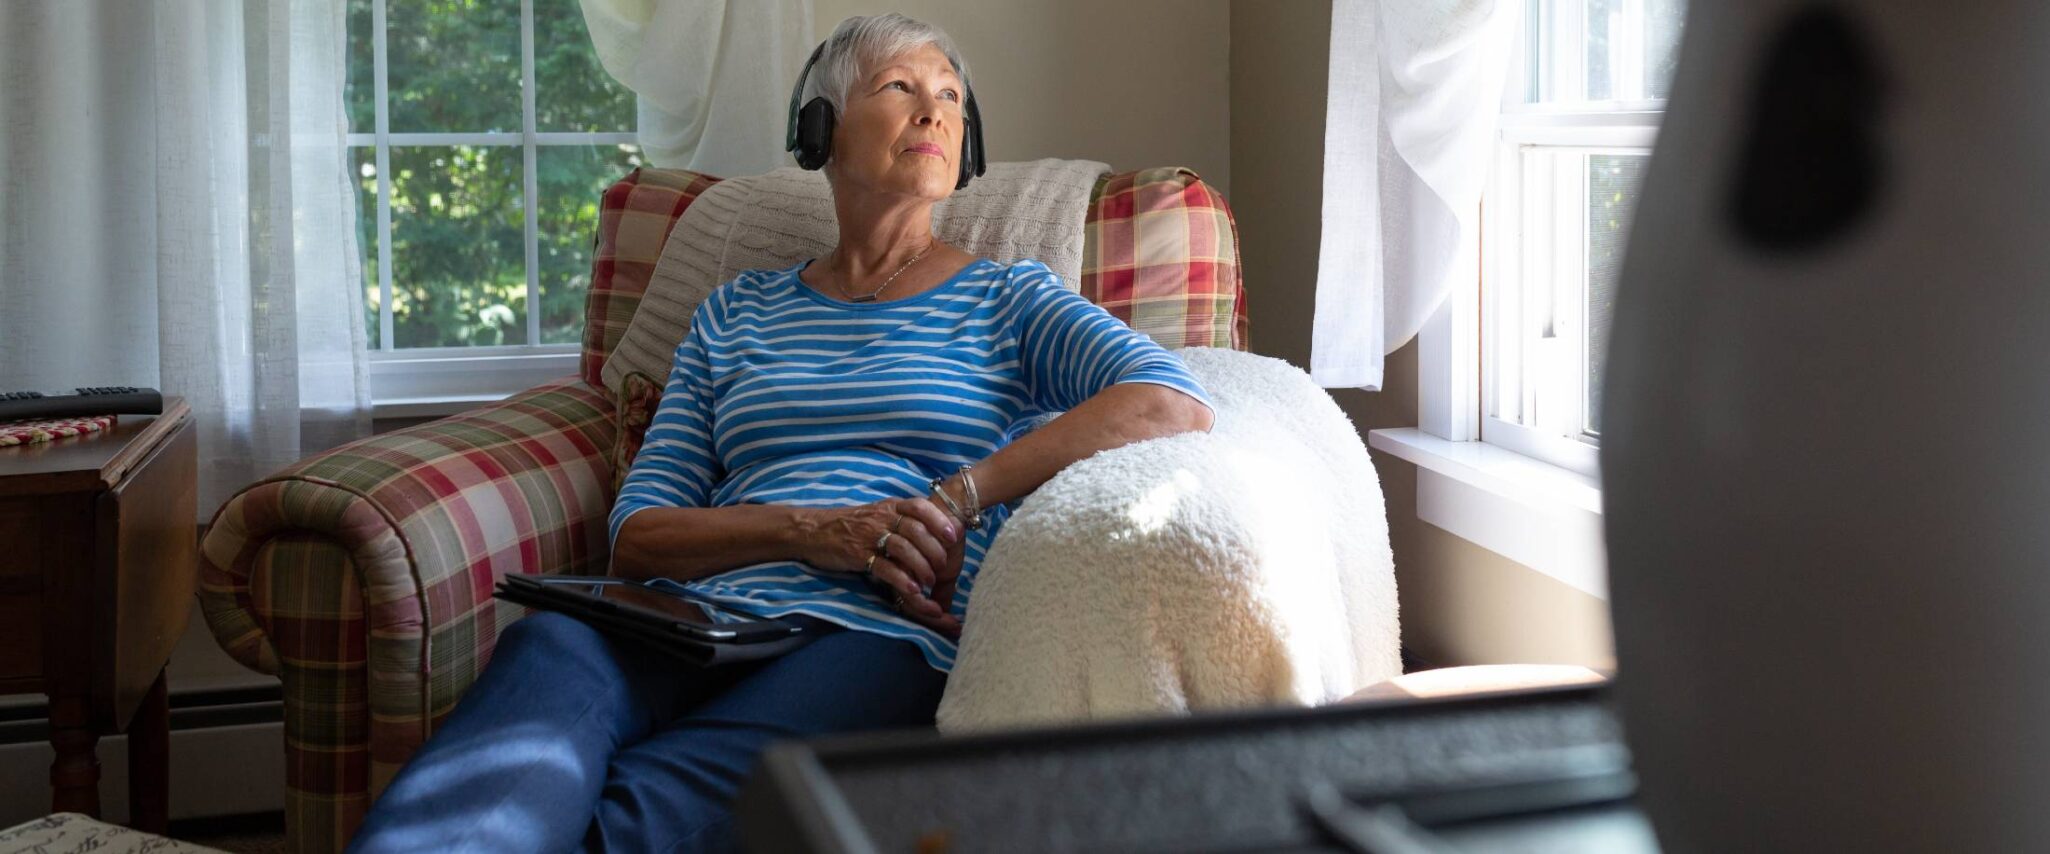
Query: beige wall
x: 1461, y: 604
x: 1133, y: 83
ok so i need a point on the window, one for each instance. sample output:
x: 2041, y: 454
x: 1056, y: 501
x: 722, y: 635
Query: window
x: 1576, y: 134
x: 482, y: 133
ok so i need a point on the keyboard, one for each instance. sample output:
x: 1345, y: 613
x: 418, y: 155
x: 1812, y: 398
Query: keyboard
x: 90, y: 400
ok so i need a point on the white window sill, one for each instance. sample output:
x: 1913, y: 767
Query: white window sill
x: 429, y: 407
x: 439, y: 382
x: 1537, y: 514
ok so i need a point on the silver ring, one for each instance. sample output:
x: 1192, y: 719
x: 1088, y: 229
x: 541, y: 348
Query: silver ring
x: 884, y: 543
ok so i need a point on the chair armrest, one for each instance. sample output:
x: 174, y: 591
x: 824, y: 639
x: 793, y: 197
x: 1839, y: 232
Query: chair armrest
x: 428, y: 519
x: 1245, y: 566
x: 362, y: 577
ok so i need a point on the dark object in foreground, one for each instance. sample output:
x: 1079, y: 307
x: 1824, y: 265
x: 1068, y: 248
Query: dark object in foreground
x: 92, y: 400
x: 1529, y: 770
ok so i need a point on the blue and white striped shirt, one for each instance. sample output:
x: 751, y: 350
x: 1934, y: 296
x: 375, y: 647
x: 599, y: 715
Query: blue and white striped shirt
x: 782, y: 395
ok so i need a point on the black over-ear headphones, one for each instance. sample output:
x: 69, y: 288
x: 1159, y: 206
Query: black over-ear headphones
x: 810, y: 137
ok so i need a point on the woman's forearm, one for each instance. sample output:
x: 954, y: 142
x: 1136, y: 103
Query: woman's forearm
x: 1117, y: 416
x: 685, y: 543
x: 692, y: 542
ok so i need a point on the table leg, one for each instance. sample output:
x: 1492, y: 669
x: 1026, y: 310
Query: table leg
x: 149, y: 761
x: 75, y: 775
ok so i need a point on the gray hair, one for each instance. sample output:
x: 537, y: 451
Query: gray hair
x: 860, y: 42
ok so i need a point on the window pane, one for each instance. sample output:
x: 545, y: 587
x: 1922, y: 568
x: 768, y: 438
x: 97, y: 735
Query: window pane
x: 572, y: 177
x: 1602, y: 50
x: 573, y: 92
x: 1663, y: 21
x: 1612, y: 186
x: 1539, y: 369
x: 358, y: 90
x: 458, y: 246
x: 363, y: 170
x: 453, y: 65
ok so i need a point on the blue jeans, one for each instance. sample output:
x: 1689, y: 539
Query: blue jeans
x: 572, y: 740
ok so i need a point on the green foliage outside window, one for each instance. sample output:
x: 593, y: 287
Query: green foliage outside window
x: 458, y: 228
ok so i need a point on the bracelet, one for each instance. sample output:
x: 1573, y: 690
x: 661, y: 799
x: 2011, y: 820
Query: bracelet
x: 974, y: 512
x: 974, y: 500
x: 952, y: 508
x: 973, y: 521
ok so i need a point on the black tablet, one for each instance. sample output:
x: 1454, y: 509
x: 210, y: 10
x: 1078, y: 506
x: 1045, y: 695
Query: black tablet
x: 659, y: 603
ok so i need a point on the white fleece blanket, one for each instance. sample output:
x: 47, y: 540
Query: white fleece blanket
x: 1247, y: 566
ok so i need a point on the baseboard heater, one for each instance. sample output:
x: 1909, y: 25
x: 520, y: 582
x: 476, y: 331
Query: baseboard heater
x: 227, y: 757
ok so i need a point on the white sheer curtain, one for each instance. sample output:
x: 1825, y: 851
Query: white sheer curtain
x: 1415, y: 89
x: 176, y: 212
x: 712, y: 77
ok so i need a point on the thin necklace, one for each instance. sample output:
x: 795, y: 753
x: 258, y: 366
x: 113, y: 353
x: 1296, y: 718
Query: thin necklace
x: 886, y: 282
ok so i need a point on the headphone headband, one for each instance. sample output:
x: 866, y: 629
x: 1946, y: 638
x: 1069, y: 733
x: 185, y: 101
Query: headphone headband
x: 790, y: 134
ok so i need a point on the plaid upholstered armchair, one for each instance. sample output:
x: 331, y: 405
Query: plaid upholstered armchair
x: 362, y: 576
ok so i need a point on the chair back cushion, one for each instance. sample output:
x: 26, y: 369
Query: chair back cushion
x: 771, y: 221
x: 634, y: 219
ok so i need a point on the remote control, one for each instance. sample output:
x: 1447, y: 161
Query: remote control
x: 91, y: 400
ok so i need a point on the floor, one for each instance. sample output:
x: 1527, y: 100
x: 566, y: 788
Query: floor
x: 264, y: 833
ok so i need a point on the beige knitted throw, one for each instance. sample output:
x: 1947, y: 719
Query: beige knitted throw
x: 1016, y: 211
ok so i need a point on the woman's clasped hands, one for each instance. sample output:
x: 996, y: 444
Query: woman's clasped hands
x: 909, y: 545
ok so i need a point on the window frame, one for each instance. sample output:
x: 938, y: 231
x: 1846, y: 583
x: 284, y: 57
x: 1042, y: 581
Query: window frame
x: 1464, y: 351
x: 1624, y: 129
x: 443, y: 380
x: 1534, y: 499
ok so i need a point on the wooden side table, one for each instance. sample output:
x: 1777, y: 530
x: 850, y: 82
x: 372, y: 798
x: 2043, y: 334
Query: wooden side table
x: 99, y: 560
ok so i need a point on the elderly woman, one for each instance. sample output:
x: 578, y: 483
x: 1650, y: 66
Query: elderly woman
x: 835, y: 445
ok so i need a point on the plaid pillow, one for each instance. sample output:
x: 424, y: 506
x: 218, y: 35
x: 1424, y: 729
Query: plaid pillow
x: 1162, y: 255
x: 639, y: 396
x: 1160, y: 252
x: 634, y: 218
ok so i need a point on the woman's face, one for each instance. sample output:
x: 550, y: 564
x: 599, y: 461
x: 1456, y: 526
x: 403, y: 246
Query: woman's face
x: 900, y: 131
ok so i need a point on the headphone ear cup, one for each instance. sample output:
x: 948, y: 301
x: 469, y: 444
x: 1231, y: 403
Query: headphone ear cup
x: 971, y: 144
x: 815, y: 133
x: 967, y: 170
x: 981, y: 153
